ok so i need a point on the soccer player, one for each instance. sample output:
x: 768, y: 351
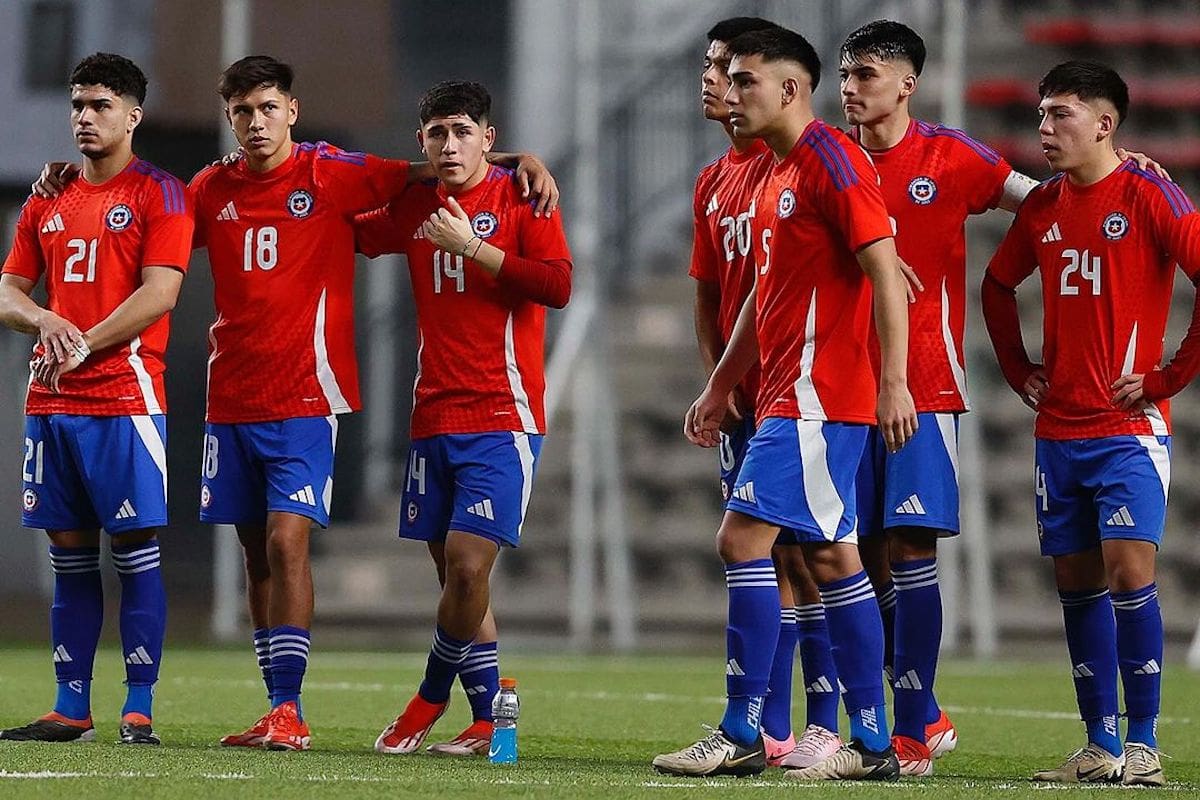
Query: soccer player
x: 1105, y: 236
x: 483, y: 269
x: 823, y: 250
x: 723, y: 266
x: 113, y: 250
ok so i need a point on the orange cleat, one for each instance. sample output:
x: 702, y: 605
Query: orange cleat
x: 940, y: 736
x: 474, y: 741
x: 914, y: 757
x: 409, y: 730
x: 285, y: 729
x: 251, y: 737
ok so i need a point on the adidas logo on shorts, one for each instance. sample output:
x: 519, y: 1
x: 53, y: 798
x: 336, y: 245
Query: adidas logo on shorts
x: 483, y: 509
x: 304, y: 495
x: 126, y: 511
x: 1121, y: 518
x: 745, y: 492
x: 911, y: 506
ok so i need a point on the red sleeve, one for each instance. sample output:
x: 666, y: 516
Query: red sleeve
x: 981, y: 173
x: 1177, y: 227
x: 541, y: 269
x: 25, y: 258
x: 705, y: 261
x: 1013, y: 262
x: 378, y: 232
x: 170, y: 225
x: 1015, y: 259
x: 358, y: 182
x: 853, y: 203
x: 195, y: 191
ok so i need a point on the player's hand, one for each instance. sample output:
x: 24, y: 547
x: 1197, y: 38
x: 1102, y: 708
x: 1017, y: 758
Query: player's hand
x: 535, y: 180
x: 897, y: 416
x: 230, y: 158
x: 1035, y: 388
x: 58, y: 337
x: 449, y: 228
x: 912, y: 284
x: 48, y: 373
x: 733, y: 412
x: 702, y: 423
x: 1143, y: 161
x: 1128, y: 392
x: 54, y: 178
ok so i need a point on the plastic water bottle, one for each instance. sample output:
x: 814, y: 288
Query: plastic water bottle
x: 506, y: 708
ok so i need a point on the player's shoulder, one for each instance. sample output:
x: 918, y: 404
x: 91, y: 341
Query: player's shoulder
x: 322, y: 153
x: 840, y: 157
x: 34, y: 205
x: 955, y: 141
x: 158, y: 185
x: 505, y: 192
x: 1158, y: 189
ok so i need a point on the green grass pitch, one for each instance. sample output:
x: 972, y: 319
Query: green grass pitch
x: 588, y: 729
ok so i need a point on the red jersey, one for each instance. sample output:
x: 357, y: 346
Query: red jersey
x: 281, y: 246
x: 932, y: 180
x: 723, y: 211
x: 480, y: 357
x: 1107, y: 255
x: 92, y: 242
x: 819, y: 206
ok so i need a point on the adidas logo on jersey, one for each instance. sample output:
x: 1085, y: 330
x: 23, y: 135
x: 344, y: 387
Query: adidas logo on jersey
x: 820, y: 686
x: 55, y: 225
x: 304, y: 495
x: 229, y: 212
x: 911, y: 506
x: 61, y: 656
x: 1052, y: 235
x: 483, y: 509
x: 1151, y: 667
x: 745, y: 492
x: 126, y: 511
x: 712, y: 206
x: 139, y: 656
x: 733, y: 668
x: 909, y: 680
x: 1121, y: 518
x: 1082, y: 671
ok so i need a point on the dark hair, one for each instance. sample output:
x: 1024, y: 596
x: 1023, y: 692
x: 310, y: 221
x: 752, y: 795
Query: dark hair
x: 449, y: 98
x: 1088, y: 80
x: 729, y: 29
x: 247, y: 74
x: 115, y: 72
x: 887, y: 41
x: 779, y: 44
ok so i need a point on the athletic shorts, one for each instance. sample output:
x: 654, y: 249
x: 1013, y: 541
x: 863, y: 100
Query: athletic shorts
x: 477, y: 483
x: 83, y: 472
x: 251, y: 468
x: 732, y: 453
x: 800, y: 474
x: 1088, y: 490
x: 917, y: 486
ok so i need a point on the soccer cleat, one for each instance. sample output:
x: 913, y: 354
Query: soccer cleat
x: 1091, y: 764
x: 814, y: 746
x: 251, y: 737
x: 409, y: 730
x: 285, y: 729
x: 914, y: 757
x: 136, y: 729
x: 474, y: 741
x: 53, y: 727
x: 941, y: 737
x: 1143, y: 766
x: 715, y: 754
x: 851, y: 762
x: 777, y: 750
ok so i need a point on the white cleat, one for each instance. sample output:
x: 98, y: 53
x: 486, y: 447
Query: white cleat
x: 715, y: 754
x: 814, y: 746
x: 1143, y: 766
x: 1091, y: 764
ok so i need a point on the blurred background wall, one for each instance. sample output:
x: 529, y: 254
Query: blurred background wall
x: 618, y: 547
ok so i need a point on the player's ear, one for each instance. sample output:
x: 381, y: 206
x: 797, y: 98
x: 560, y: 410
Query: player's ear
x: 421, y: 138
x: 135, y: 119
x: 908, y: 85
x: 293, y: 110
x: 489, y: 138
x: 789, y: 90
x: 1106, y: 125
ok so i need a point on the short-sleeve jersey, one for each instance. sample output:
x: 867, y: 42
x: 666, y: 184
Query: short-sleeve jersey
x: 281, y: 246
x: 723, y: 212
x: 1107, y: 255
x: 91, y: 244
x: 480, y: 357
x: 819, y: 206
x: 932, y: 180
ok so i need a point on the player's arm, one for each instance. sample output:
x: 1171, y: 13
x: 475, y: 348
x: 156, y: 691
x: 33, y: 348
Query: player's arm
x: 702, y: 422
x: 533, y: 176
x: 707, y: 309
x: 896, y: 411
x: 1013, y: 262
x: 60, y: 338
x: 1017, y: 187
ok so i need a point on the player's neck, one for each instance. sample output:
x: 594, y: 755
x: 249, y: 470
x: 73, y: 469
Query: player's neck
x: 790, y: 129
x: 101, y: 170
x: 885, y: 133
x: 272, y: 161
x: 740, y: 144
x: 471, y: 182
x: 1094, y: 170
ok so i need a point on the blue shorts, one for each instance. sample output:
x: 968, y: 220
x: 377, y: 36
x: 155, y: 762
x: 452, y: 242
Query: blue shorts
x: 915, y: 487
x: 477, y: 483
x: 1088, y: 490
x: 733, y: 453
x: 251, y: 468
x: 83, y: 473
x: 799, y: 474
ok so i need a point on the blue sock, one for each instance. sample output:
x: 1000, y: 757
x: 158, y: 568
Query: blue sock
x: 816, y: 662
x: 1092, y: 645
x: 1140, y: 654
x: 886, y: 597
x: 918, y: 637
x: 143, y: 621
x: 480, y: 679
x: 856, y: 634
x: 289, y: 660
x: 262, y: 651
x: 445, y: 659
x: 777, y: 708
x: 750, y: 639
x: 75, y: 620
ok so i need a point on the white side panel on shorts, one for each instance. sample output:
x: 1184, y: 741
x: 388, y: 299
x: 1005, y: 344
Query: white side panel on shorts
x: 945, y: 423
x: 327, y: 492
x: 820, y: 492
x: 525, y: 455
x: 1161, y: 460
x: 147, y: 431
x: 329, y: 385
x: 145, y: 382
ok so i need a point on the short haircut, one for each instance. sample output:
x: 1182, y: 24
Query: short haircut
x: 1088, y: 80
x: 779, y: 44
x: 252, y: 72
x: 115, y: 72
x: 729, y: 29
x: 449, y: 98
x: 885, y: 40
